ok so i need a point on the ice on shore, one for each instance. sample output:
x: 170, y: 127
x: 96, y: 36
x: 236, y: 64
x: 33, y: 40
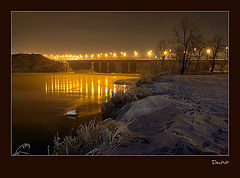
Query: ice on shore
x: 72, y: 114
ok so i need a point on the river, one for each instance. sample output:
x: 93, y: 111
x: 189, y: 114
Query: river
x: 41, y: 100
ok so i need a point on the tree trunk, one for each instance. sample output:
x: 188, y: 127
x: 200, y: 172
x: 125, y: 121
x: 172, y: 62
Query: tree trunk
x: 221, y: 69
x: 213, y: 64
x: 183, y: 63
x: 183, y: 68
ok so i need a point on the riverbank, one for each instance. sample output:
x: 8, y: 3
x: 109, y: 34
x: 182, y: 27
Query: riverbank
x: 184, y: 115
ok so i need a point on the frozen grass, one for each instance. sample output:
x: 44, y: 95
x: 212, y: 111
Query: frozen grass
x: 120, y: 98
x: 150, y: 77
x: 23, y: 147
x: 94, y: 138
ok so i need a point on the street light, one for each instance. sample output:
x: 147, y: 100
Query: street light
x: 135, y: 53
x: 149, y: 53
x: 208, y: 51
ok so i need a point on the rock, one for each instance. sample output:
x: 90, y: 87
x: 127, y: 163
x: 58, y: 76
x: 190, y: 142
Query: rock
x: 147, y: 105
x: 162, y: 88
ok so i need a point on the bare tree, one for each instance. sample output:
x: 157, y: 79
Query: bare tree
x: 199, y: 50
x: 216, y: 44
x: 185, y: 37
x: 225, y: 61
x: 162, y: 46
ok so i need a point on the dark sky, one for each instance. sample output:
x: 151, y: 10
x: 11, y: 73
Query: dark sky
x: 82, y: 32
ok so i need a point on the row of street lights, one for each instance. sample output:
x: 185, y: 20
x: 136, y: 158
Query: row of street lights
x: 123, y: 55
x: 93, y: 56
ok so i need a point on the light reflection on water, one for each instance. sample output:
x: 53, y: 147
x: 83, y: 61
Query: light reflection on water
x: 92, y: 87
x: 39, y: 102
x: 84, y: 89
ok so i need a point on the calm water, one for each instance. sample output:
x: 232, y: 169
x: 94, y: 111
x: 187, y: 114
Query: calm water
x: 40, y: 101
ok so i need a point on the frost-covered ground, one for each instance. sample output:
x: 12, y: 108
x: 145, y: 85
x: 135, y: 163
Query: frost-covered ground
x: 188, y: 114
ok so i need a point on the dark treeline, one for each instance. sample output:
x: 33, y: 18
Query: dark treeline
x: 188, y: 43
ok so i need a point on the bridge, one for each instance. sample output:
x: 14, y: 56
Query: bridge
x: 140, y: 65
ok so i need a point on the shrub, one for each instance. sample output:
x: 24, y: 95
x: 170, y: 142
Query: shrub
x: 146, y: 78
x: 150, y: 77
x: 94, y: 138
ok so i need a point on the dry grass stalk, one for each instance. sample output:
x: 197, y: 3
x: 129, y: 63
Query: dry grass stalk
x: 94, y: 138
x: 23, y: 146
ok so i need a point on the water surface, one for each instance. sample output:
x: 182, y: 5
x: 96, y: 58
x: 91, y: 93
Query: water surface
x: 40, y: 101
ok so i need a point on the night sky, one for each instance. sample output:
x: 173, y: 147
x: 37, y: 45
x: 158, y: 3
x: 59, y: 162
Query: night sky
x: 88, y: 32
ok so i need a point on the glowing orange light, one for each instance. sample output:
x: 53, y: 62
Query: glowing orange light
x: 135, y: 53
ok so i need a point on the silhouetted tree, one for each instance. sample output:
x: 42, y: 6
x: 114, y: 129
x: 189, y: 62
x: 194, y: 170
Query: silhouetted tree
x: 185, y: 36
x: 199, y: 50
x: 162, y: 46
x: 216, y: 44
x: 225, y: 61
